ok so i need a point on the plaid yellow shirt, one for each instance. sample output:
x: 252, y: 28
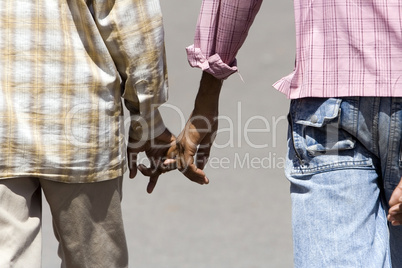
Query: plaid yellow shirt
x: 64, y: 66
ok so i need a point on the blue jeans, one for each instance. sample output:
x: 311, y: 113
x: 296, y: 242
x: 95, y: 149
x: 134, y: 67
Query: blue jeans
x: 344, y: 161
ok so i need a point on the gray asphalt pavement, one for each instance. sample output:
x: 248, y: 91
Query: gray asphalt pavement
x: 242, y: 218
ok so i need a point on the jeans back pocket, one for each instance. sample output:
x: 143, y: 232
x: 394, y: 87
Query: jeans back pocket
x: 318, y: 139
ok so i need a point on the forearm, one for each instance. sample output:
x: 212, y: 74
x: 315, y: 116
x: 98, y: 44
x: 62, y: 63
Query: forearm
x: 207, y: 100
x: 195, y: 141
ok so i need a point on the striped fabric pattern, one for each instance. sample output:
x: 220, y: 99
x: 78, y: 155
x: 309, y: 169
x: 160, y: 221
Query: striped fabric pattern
x: 64, y: 66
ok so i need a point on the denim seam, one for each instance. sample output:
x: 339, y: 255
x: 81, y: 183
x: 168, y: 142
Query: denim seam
x: 375, y: 115
x: 337, y: 166
x: 400, y: 151
x: 393, y: 140
x: 356, y: 118
x: 296, y: 107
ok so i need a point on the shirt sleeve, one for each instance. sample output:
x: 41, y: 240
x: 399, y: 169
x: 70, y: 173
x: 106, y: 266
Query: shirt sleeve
x: 221, y: 30
x: 133, y: 33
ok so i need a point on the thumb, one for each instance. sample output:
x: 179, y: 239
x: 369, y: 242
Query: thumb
x: 171, y: 155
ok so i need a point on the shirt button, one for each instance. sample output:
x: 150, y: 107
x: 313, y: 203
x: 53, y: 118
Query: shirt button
x: 314, y: 119
x: 110, y: 106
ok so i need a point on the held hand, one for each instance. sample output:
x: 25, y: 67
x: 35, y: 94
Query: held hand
x: 157, y: 151
x: 395, y: 202
x: 196, y: 140
x: 198, y: 135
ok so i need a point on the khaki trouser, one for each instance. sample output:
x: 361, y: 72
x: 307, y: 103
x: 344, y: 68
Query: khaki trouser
x: 87, y: 222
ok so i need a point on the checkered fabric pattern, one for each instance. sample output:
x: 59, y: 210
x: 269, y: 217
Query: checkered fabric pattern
x: 64, y: 66
x: 346, y: 48
x: 222, y: 28
x: 343, y: 48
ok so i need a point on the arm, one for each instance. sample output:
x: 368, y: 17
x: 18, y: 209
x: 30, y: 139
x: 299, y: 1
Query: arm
x: 199, y: 133
x: 133, y: 33
x: 221, y: 30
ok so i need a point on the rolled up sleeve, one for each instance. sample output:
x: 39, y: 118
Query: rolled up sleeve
x: 222, y: 28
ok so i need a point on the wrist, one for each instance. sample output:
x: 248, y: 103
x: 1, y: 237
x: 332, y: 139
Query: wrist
x: 147, y: 127
x: 207, y: 100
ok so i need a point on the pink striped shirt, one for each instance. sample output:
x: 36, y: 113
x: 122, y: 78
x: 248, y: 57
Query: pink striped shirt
x: 343, y: 48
